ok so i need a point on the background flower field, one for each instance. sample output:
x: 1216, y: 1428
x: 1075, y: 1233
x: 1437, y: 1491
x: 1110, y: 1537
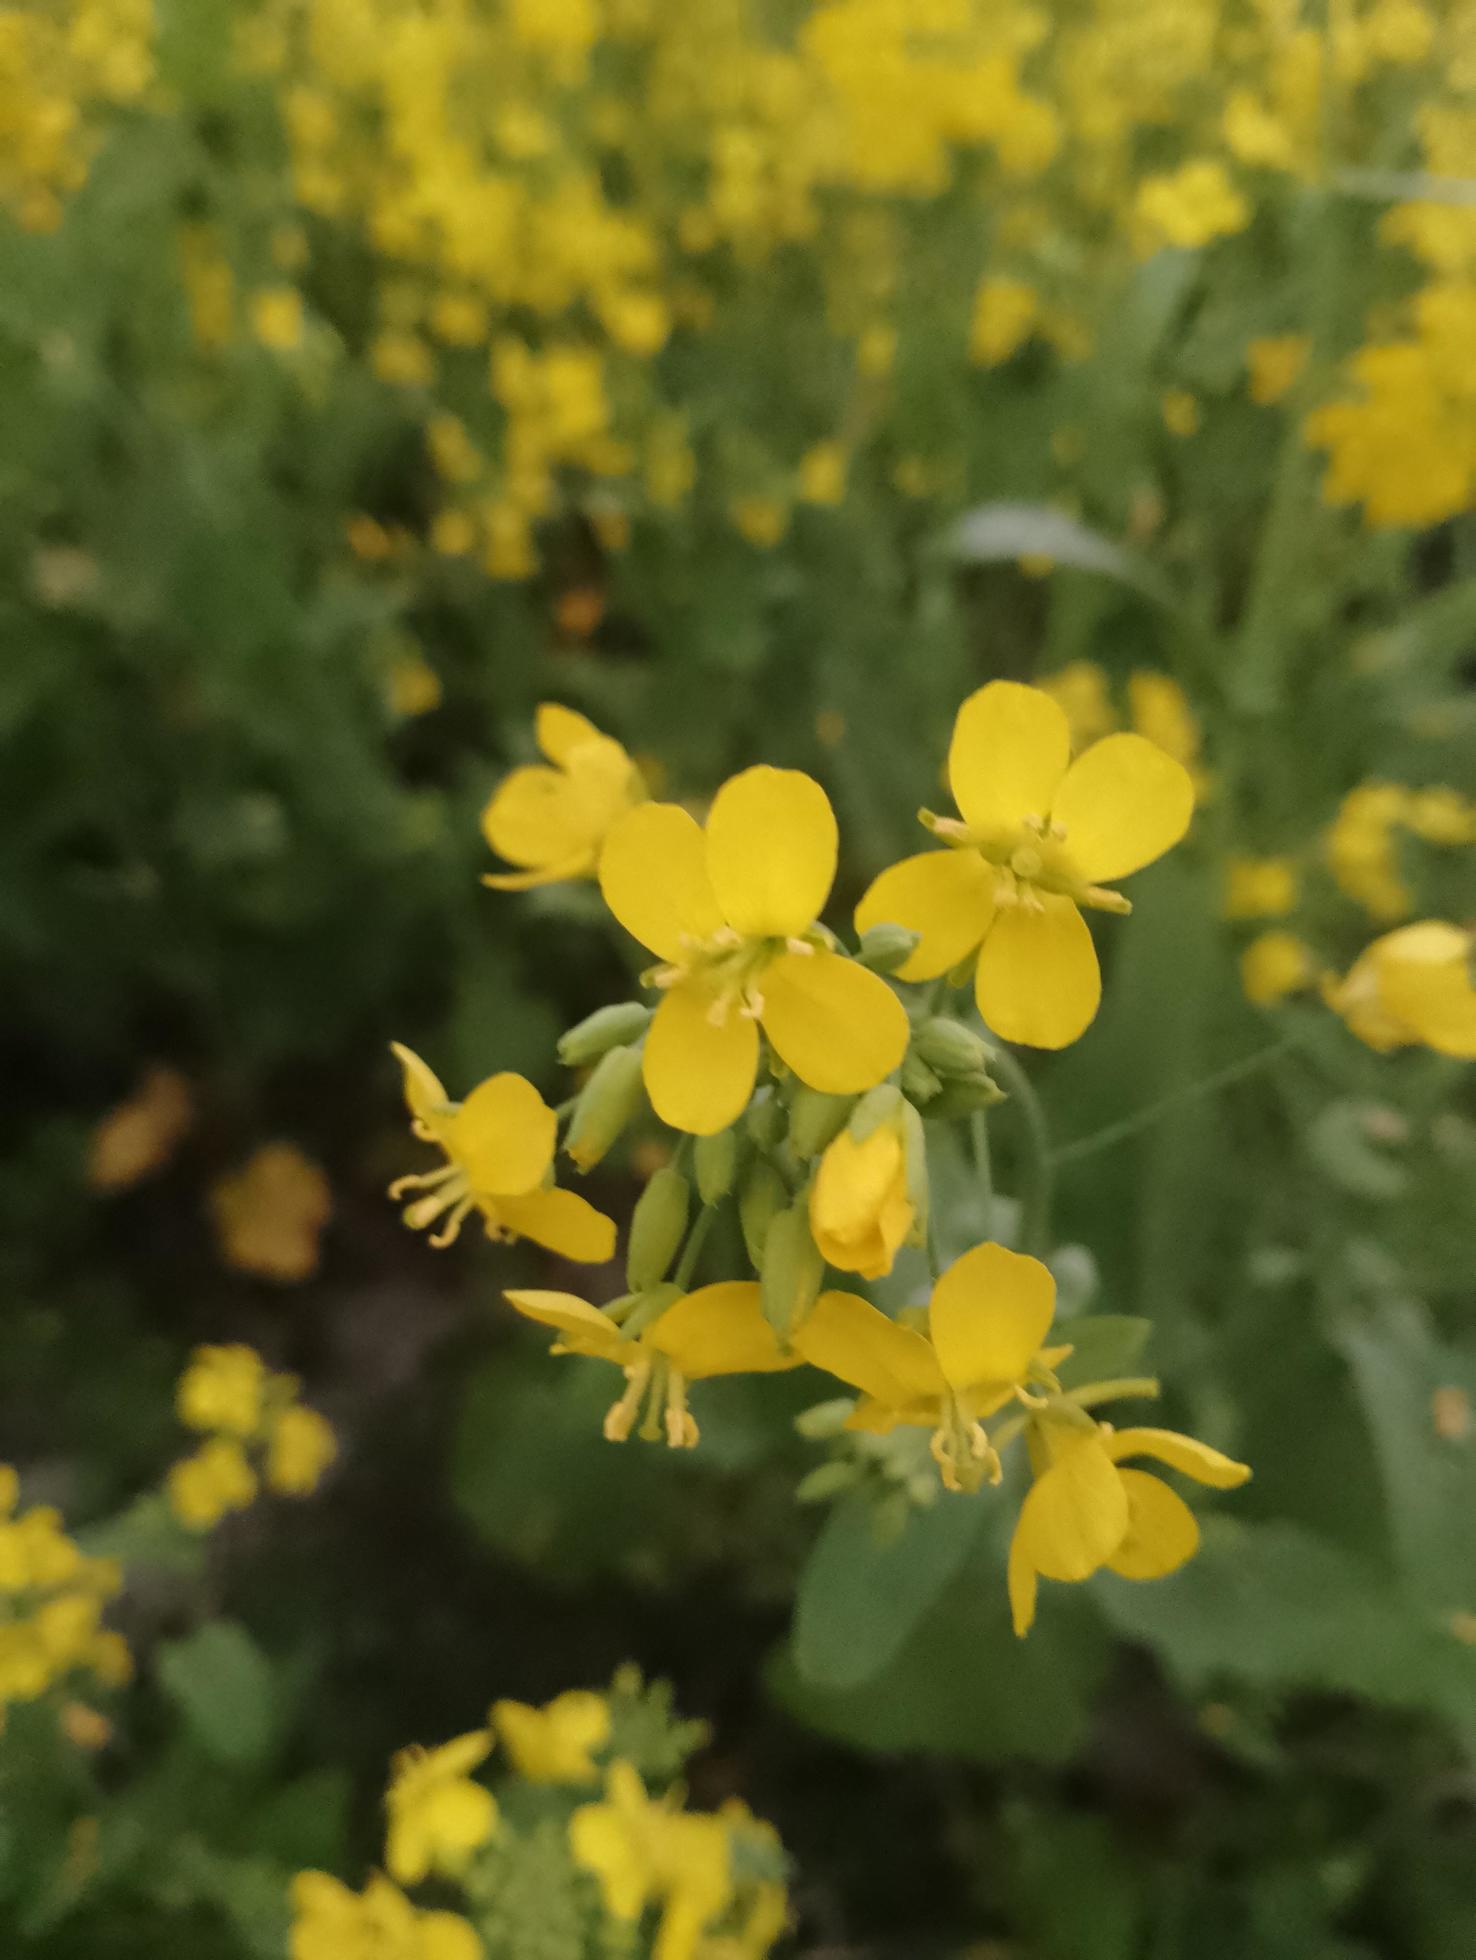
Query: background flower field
x: 760, y: 381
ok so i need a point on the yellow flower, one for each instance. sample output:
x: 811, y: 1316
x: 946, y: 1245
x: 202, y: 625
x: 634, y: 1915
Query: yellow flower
x: 332, y: 1923
x: 1412, y: 986
x: 438, y: 1816
x: 860, y: 1208
x: 1261, y: 888
x: 553, y: 820
x: 987, y: 1320
x: 1274, y: 965
x: 1038, y: 832
x: 718, y: 1330
x: 299, y: 1449
x: 138, y: 1137
x: 822, y: 474
x: 223, y: 1389
x: 499, y: 1149
x: 276, y: 318
x: 1188, y: 207
x: 270, y: 1214
x: 556, y: 1743
x: 730, y: 911
x: 644, y: 1853
x: 1180, y: 412
x: 215, y: 1480
x: 1004, y: 317
x: 1361, y: 850
x: 1080, y: 690
x: 1275, y: 365
x: 1083, y: 1512
x: 1161, y: 712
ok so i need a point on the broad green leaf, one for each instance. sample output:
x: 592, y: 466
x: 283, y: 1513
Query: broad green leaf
x: 225, y: 1688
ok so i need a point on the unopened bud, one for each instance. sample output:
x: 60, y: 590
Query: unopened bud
x: 763, y: 1194
x: 792, y: 1271
x: 886, y: 947
x: 765, y: 1119
x: 965, y: 1096
x: 827, y: 1480
x: 657, y: 1227
x: 919, y: 1083
x: 715, y: 1160
x: 883, y: 1104
x: 815, y: 1119
x: 822, y: 1420
x: 608, y: 1027
x: 949, y: 1048
x: 607, y: 1102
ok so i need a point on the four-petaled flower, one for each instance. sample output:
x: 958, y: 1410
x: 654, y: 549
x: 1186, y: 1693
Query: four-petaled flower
x: 718, y: 1330
x: 555, y: 1743
x: 987, y: 1320
x: 1038, y: 835
x: 730, y: 911
x: 553, y: 819
x: 499, y: 1149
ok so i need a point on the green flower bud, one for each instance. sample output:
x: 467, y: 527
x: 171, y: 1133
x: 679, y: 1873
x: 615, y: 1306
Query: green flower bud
x: 607, y: 1102
x: 827, y: 1480
x: 765, y: 1119
x: 964, y: 1095
x: 815, y: 1119
x: 919, y: 1083
x: 792, y: 1271
x: 657, y: 1227
x: 608, y: 1027
x: 763, y: 1194
x: 949, y: 1048
x: 880, y: 1105
x: 822, y: 1420
x: 715, y: 1160
x: 886, y: 947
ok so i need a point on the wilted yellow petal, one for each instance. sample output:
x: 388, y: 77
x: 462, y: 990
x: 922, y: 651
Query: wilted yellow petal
x: 563, y: 1222
x: 653, y: 873
x: 719, y: 1330
x: 503, y: 1136
x: 558, y: 731
x: 1123, y: 804
x: 771, y: 845
x: 989, y: 1314
x: 1162, y: 1532
x: 1076, y: 1516
x: 581, y: 1328
x: 1195, y: 1459
x: 699, y: 1072
x: 853, y: 1340
x: 1038, y: 980
x: 947, y: 896
x: 1010, y: 748
x: 837, y: 1025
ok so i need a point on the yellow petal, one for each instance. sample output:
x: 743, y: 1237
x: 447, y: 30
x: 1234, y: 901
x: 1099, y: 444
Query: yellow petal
x: 1038, y: 980
x: 1123, y: 804
x: 947, y: 896
x: 447, y: 1936
x: 559, y: 730
x: 1195, y: 1459
x: 771, y: 845
x: 1424, y: 983
x: 562, y: 1221
x: 838, y: 1026
x: 1010, y: 748
x: 1162, y: 1532
x: 1076, y: 1516
x: 990, y: 1312
x: 581, y: 1328
x: 503, y: 1136
x: 603, y: 1843
x: 719, y: 1330
x: 537, y: 817
x: 543, y: 874
x: 1020, y: 1576
x: 699, y: 1072
x: 851, y: 1339
x: 424, y: 1096
x: 653, y: 873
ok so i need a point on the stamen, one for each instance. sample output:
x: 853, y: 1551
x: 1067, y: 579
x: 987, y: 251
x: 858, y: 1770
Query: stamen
x: 423, y: 1180
x: 800, y: 946
x: 620, y: 1419
x: 452, y: 1226
x: 681, y: 1430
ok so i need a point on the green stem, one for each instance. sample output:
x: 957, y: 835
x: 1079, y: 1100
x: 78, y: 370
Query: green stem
x: 1070, y: 1153
x: 1039, y: 1179
x: 983, y: 1168
x: 692, y: 1251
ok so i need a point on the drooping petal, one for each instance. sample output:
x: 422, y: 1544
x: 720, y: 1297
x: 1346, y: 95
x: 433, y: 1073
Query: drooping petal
x: 424, y: 1096
x: 1038, y: 980
x: 1195, y: 1459
x: 990, y: 1312
x: 1076, y: 1516
x: 699, y: 1072
x: 771, y: 846
x: 563, y: 1222
x: 947, y: 896
x: 837, y: 1025
x: 581, y: 1328
x: 853, y: 1340
x: 1010, y: 748
x: 1020, y: 1577
x: 536, y: 817
x: 719, y: 1330
x: 559, y: 730
x: 1162, y: 1532
x: 653, y: 874
x: 1123, y: 804
x: 503, y: 1136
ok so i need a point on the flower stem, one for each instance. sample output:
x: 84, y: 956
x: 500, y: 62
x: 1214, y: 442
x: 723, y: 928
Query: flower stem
x: 1127, y: 1126
x: 1039, y: 1178
x: 692, y: 1251
x: 983, y: 1168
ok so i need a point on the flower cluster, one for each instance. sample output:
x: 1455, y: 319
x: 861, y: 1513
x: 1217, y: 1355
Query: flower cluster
x: 257, y: 1432
x: 51, y: 1601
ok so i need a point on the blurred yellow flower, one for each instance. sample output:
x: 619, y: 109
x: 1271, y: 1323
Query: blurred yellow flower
x: 555, y: 1743
x: 300, y: 1447
x: 1275, y: 365
x: 140, y: 1135
x: 1004, y: 317
x: 1180, y: 412
x: 438, y: 1815
x: 223, y: 1389
x: 270, y: 1214
x: 645, y: 1853
x: 276, y: 318
x: 1274, y: 965
x: 1261, y: 888
x: 553, y: 819
x: 1188, y: 207
x: 217, y: 1479
x: 332, y: 1923
x: 1413, y: 986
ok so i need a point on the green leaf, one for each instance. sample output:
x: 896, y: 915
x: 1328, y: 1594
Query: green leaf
x: 859, y: 1597
x: 1002, y: 533
x: 1103, y: 1346
x: 146, y: 1534
x: 224, y: 1687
